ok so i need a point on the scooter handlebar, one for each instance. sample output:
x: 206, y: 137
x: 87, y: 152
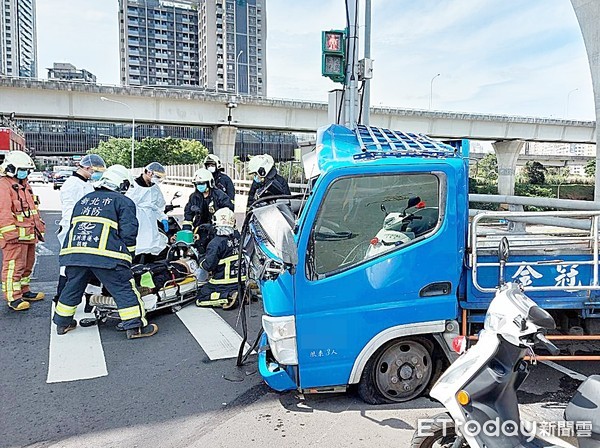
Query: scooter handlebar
x: 543, y: 340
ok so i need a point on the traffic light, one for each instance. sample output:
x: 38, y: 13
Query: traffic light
x: 334, y: 55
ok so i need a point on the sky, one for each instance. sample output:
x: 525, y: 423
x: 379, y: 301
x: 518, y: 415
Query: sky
x: 517, y: 57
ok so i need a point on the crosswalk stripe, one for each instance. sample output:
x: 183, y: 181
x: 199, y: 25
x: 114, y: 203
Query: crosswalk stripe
x: 216, y: 337
x: 78, y: 355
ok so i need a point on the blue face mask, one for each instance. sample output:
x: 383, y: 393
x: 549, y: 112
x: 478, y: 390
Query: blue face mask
x: 201, y: 188
x: 96, y: 175
x: 22, y: 174
x: 257, y: 179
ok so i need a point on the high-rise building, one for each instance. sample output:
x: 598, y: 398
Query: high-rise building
x: 68, y: 72
x: 18, y: 39
x: 232, y: 39
x: 213, y: 44
x: 159, y: 42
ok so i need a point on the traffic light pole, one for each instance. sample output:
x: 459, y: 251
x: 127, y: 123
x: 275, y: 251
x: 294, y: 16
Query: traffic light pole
x: 351, y: 101
x: 366, y: 101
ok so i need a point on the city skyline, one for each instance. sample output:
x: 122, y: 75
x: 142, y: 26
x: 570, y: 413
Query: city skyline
x: 494, y: 56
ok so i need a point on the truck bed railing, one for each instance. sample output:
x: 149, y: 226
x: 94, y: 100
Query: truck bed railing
x: 559, y: 238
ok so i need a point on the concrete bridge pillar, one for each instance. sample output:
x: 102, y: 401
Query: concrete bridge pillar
x: 507, y: 153
x: 588, y: 16
x: 224, y: 143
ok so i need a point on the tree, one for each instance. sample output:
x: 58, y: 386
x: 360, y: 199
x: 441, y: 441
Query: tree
x: 534, y: 173
x: 114, y: 151
x: 189, y: 151
x: 487, y: 168
x: 590, y: 168
x: 168, y: 151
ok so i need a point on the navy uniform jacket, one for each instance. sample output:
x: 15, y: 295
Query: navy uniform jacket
x: 199, y: 210
x: 272, y: 185
x: 103, y: 231
x: 222, y: 259
x: 224, y: 183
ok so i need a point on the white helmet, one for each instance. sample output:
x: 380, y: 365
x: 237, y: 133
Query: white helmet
x: 15, y: 160
x: 116, y: 178
x: 203, y: 176
x: 260, y: 164
x: 93, y: 161
x: 224, y: 217
x: 212, y: 159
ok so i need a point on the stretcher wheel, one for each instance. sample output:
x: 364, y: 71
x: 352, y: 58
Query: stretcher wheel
x: 88, y: 322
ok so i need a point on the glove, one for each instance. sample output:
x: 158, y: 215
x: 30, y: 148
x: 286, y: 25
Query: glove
x: 165, y: 224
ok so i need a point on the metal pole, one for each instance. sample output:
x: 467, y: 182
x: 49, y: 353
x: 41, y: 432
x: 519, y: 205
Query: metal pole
x: 351, y: 97
x: 431, y: 89
x: 367, y: 88
x: 568, y: 98
x: 103, y: 98
x: 237, y: 73
x: 132, y: 139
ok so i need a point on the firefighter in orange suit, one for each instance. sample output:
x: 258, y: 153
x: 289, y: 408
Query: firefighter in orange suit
x: 21, y: 227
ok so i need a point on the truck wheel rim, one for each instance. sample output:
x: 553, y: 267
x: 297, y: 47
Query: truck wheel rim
x: 403, y: 371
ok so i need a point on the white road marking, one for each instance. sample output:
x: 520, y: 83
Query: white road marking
x: 77, y: 355
x: 216, y: 337
x: 575, y: 375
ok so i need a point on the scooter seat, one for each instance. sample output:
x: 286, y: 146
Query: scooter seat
x: 585, y: 405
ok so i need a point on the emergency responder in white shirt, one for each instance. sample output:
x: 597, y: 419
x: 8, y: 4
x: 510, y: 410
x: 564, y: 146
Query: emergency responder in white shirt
x: 75, y: 187
x: 150, y: 210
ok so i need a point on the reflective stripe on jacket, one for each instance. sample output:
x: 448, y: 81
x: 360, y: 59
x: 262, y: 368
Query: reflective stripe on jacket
x: 222, y: 259
x: 102, y: 232
x: 20, y: 221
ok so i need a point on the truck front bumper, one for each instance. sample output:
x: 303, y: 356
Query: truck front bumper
x: 276, y: 376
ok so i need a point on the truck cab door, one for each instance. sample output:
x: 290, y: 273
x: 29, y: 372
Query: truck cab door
x: 346, y: 291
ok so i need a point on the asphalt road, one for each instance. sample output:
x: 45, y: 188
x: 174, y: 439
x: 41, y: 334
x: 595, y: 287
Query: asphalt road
x: 165, y: 391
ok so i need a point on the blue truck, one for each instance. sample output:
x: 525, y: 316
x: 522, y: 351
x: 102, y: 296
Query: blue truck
x: 380, y: 266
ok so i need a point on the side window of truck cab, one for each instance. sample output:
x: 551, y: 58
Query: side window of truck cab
x: 364, y: 217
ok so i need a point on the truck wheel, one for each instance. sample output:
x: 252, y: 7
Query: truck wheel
x: 440, y: 433
x: 399, y: 371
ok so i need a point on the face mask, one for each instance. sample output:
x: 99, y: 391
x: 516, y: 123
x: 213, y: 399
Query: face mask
x: 22, y: 174
x: 257, y: 179
x: 201, y: 188
x: 96, y: 175
x: 212, y: 169
x: 155, y: 180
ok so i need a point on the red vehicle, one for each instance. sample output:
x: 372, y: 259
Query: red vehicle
x: 11, y: 140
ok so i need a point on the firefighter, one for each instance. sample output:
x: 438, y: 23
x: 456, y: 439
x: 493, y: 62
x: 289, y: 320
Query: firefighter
x: 220, y: 263
x: 21, y: 227
x: 101, y: 243
x: 201, y: 206
x: 266, y: 181
x: 90, y: 168
x: 222, y: 181
x: 150, y: 207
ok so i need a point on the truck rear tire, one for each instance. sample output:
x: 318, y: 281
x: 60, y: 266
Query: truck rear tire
x: 399, y: 371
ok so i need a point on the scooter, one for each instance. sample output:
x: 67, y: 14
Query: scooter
x: 479, y: 390
x: 395, y: 229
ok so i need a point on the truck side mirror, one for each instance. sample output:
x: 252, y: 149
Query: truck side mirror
x: 413, y: 201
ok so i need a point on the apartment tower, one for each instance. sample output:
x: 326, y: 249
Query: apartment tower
x: 18, y: 40
x: 212, y: 44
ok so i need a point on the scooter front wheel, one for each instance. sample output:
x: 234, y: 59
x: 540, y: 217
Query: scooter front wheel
x: 439, y: 432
